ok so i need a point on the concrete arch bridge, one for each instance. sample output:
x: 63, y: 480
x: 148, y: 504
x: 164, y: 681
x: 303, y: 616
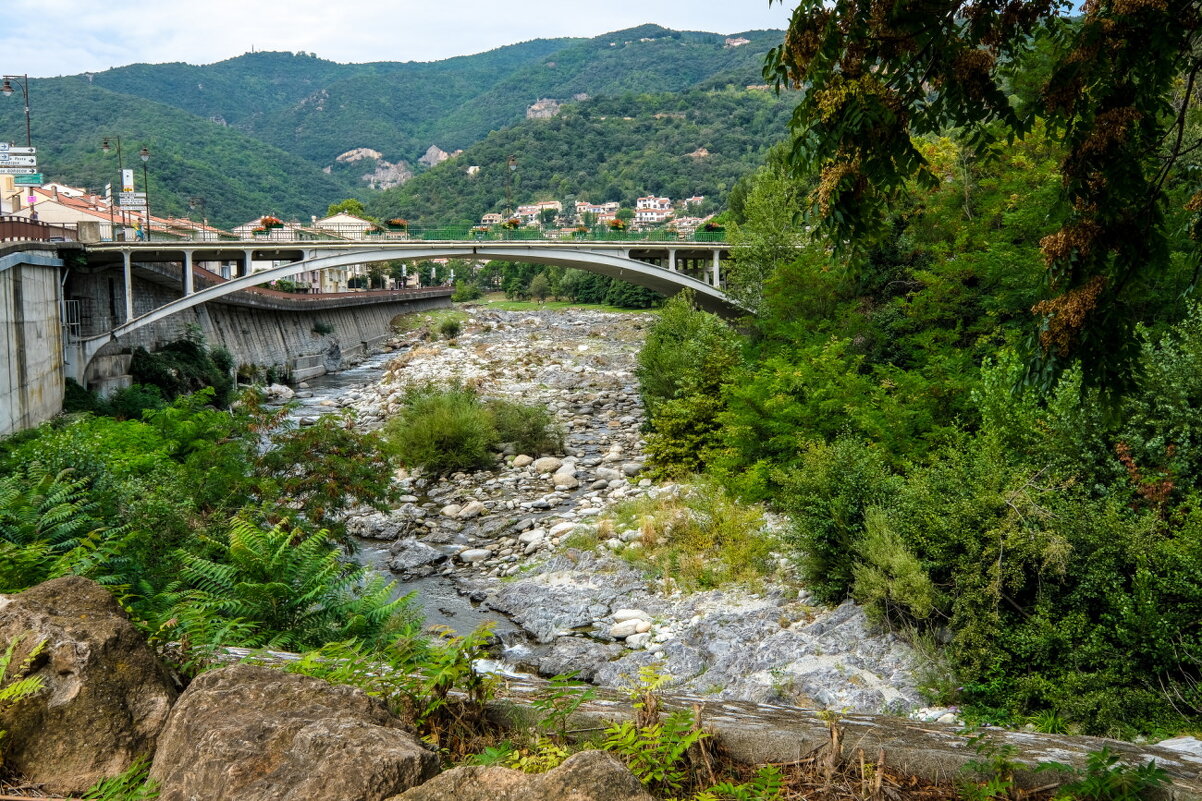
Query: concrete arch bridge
x: 665, y: 267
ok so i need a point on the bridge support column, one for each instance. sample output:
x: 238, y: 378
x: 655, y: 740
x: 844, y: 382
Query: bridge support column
x: 248, y: 258
x: 127, y: 277
x: 672, y: 259
x: 187, y: 273
x: 716, y: 283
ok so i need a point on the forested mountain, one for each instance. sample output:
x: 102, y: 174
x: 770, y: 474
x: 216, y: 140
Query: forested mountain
x: 611, y: 148
x: 262, y: 132
x: 238, y: 176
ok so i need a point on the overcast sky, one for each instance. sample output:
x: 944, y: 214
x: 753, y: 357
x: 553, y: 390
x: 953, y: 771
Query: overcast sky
x: 44, y: 38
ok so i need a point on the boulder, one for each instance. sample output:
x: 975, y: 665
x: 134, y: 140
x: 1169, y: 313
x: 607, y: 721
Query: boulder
x: 565, y: 481
x: 105, y: 696
x: 472, y: 509
x: 587, y: 776
x: 547, y: 464
x: 522, y: 460
x: 256, y: 734
x: 408, y: 555
x: 279, y: 392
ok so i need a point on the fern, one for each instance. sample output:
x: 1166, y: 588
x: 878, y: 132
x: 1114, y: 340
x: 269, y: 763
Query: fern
x: 291, y: 591
x: 49, y: 528
x: 132, y: 784
x: 15, y: 683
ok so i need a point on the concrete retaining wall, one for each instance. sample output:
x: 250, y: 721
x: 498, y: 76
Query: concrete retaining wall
x: 31, y: 351
x: 268, y: 337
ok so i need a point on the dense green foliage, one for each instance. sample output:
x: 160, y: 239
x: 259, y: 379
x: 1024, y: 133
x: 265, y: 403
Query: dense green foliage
x: 610, y: 148
x: 1048, y: 536
x: 213, y: 525
x: 1116, y: 86
x: 447, y: 428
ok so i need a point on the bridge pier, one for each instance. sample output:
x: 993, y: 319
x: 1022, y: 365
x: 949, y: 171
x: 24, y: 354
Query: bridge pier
x: 188, y: 289
x: 127, y: 276
x: 717, y: 275
x: 672, y: 259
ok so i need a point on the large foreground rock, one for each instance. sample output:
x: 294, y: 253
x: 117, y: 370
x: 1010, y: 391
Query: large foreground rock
x: 256, y: 734
x: 587, y: 776
x: 104, y: 698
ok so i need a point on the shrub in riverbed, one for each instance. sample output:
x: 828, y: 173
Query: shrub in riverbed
x: 531, y: 429
x: 702, y: 538
x: 447, y: 428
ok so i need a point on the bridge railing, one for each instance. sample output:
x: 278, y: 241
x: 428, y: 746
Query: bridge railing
x: 23, y: 229
x: 291, y: 232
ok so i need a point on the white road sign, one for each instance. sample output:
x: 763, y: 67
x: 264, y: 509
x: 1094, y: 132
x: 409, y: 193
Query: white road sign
x: 18, y: 170
x: 18, y: 161
x: 5, y: 147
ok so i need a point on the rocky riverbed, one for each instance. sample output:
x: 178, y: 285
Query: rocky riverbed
x: 504, y: 538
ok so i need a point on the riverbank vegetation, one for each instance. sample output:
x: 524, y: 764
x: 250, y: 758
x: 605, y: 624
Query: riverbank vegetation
x: 444, y: 429
x: 976, y: 439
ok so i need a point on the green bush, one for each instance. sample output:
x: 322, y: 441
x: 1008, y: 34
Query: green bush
x: 449, y: 328
x: 531, y: 429
x: 185, y: 366
x: 466, y: 291
x: 829, y: 496
x: 442, y: 430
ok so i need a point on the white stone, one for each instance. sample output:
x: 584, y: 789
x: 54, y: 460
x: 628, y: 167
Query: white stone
x: 473, y: 509
x: 280, y: 391
x: 643, y: 626
x: 534, y: 535
x: 621, y: 631
x: 560, y: 529
x: 632, y: 468
x: 473, y: 555
x: 614, y: 544
x: 638, y: 640
x: 565, y: 481
x: 621, y: 615
x: 608, y: 473
x: 522, y: 460
x: 547, y: 464
x: 451, y: 510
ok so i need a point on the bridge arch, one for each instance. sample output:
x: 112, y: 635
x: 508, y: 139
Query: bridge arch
x: 611, y: 263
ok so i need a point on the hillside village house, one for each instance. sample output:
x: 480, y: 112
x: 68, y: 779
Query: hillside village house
x: 531, y: 213
x: 652, y: 210
x: 492, y: 218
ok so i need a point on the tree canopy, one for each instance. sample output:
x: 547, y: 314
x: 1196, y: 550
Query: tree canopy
x: 1115, y: 86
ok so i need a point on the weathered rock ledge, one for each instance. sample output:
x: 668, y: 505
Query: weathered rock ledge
x: 763, y: 733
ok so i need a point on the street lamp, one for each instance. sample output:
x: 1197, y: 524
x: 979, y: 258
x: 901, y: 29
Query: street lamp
x: 513, y: 165
x: 107, y: 148
x: 6, y: 89
x: 144, y: 154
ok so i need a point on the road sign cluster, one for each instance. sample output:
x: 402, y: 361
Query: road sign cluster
x: 16, y: 160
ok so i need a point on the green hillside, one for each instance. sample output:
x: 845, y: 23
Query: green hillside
x: 260, y: 133
x: 601, y: 150
x: 238, y: 176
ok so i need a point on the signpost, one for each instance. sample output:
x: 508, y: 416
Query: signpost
x: 5, y: 147
x: 127, y: 180
x: 18, y: 170
x: 37, y: 179
x: 18, y: 161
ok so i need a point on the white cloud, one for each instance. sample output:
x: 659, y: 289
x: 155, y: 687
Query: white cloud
x: 66, y: 37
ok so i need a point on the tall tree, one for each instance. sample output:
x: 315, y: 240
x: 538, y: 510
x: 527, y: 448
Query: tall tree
x: 1117, y: 86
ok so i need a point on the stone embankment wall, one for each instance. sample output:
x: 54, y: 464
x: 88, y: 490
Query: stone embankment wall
x: 31, y: 352
x: 269, y: 331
